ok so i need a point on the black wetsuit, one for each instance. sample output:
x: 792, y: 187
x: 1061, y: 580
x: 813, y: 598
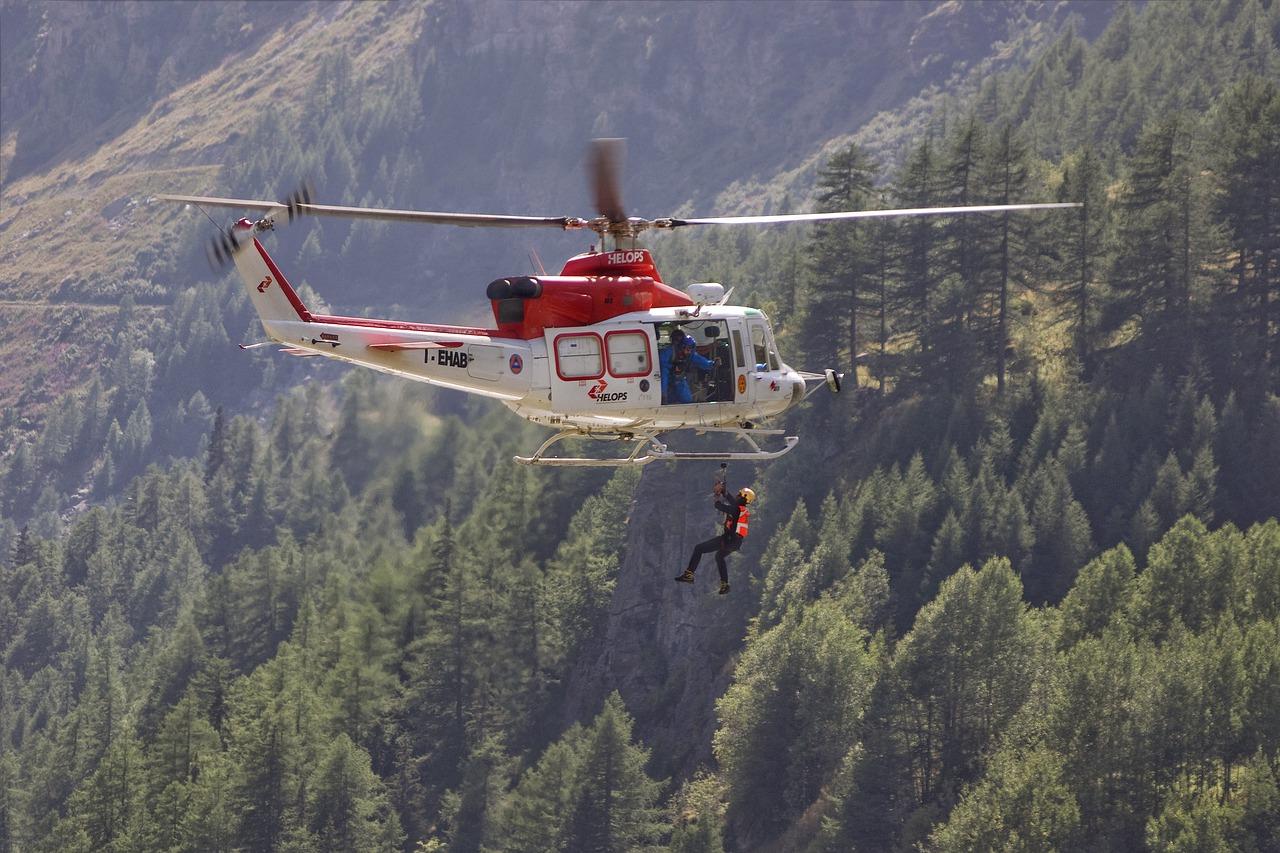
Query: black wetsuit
x: 724, y: 544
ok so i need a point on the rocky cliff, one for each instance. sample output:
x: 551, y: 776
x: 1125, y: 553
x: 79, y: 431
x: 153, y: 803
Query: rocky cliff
x: 668, y: 647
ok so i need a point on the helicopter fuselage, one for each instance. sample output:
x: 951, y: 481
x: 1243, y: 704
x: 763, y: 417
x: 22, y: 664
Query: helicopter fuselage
x: 603, y: 377
x: 589, y: 350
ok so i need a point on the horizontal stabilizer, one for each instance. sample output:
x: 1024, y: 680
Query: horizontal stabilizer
x: 287, y: 350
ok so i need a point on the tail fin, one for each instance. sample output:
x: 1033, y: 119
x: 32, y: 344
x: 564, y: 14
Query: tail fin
x: 269, y: 291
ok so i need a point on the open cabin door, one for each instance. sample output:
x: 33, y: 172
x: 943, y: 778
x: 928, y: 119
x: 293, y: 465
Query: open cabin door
x: 604, y: 369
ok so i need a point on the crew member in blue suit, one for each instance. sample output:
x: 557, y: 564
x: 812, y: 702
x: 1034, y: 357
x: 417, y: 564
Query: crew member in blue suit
x: 675, y: 361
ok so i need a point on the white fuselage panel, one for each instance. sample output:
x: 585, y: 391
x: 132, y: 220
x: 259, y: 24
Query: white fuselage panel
x: 603, y: 378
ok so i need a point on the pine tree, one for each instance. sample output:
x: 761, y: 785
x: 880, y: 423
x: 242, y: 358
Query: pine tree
x: 1248, y: 195
x: 1022, y: 804
x: 914, y: 301
x: 216, y: 453
x: 1063, y: 538
x: 345, y: 802
x: 351, y: 449
x: 790, y: 714
x: 1177, y: 585
x: 182, y: 743
x: 109, y: 804
x: 965, y: 259
x: 1079, y: 236
x: 949, y: 551
x: 472, y: 812
x: 837, y: 257
x: 209, y: 822
x: 614, y: 807
x: 1158, y: 251
x: 1099, y: 594
x: 535, y: 815
x: 966, y: 668
x: 1006, y: 178
x: 697, y: 815
x: 10, y: 804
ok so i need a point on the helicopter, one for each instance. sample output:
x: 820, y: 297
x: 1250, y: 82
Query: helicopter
x: 582, y: 352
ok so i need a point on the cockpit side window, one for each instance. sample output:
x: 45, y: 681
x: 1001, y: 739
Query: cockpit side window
x: 761, y: 351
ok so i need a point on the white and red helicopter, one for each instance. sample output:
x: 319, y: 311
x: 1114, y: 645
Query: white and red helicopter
x: 580, y: 352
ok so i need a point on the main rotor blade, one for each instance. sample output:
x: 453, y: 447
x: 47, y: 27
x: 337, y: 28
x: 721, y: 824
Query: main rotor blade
x: 864, y: 214
x: 472, y: 220
x: 603, y: 166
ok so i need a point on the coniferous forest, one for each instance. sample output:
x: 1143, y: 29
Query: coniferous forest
x: 1017, y: 588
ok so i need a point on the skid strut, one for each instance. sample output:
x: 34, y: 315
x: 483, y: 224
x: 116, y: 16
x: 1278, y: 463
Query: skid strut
x: 658, y: 450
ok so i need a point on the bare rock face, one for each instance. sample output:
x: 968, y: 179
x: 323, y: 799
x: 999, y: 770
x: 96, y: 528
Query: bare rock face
x: 668, y: 647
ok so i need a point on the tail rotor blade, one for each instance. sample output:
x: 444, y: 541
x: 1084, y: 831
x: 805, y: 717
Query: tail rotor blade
x: 603, y: 166
x: 221, y: 248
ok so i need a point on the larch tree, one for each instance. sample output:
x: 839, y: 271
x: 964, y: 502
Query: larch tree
x: 615, y: 804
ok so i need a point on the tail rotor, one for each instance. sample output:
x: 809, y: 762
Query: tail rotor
x: 221, y: 248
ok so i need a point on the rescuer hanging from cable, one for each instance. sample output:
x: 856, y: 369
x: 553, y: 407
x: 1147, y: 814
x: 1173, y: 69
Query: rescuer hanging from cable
x: 736, y: 517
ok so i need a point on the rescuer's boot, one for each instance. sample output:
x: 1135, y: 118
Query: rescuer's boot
x: 724, y: 587
x: 687, y: 577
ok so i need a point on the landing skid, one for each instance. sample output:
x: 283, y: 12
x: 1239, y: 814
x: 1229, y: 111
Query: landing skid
x: 656, y: 450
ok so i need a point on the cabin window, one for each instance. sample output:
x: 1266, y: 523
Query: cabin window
x: 737, y: 349
x: 578, y: 356
x: 628, y: 354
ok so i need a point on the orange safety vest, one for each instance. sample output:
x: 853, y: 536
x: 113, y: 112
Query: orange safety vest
x: 743, y: 518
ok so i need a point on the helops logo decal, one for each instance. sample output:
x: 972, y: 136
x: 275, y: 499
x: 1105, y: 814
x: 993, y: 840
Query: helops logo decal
x: 264, y: 284
x: 597, y: 393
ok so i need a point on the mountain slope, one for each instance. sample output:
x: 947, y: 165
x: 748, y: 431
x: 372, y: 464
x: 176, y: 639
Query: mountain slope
x: 392, y: 103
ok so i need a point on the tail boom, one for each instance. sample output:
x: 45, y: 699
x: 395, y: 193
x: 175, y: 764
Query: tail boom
x: 478, y: 361
x: 455, y: 357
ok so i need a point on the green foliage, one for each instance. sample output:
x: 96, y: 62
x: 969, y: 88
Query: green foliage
x: 614, y: 803
x: 343, y: 620
x: 1099, y: 594
x: 1022, y: 804
x: 964, y: 691
x: 588, y: 791
x: 799, y: 692
x: 698, y: 810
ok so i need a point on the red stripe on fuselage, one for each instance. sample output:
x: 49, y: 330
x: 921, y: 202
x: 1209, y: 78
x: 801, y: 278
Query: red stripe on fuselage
x: 303, y: 313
